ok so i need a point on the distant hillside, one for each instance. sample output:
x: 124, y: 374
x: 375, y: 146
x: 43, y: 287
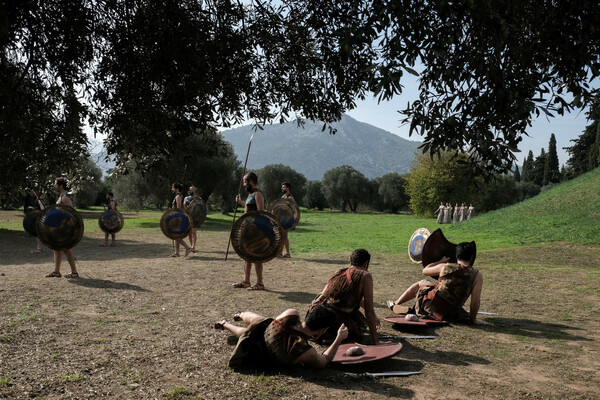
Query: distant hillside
x: 569, y: 212
x: 311, y: 151
x: 98, y: 156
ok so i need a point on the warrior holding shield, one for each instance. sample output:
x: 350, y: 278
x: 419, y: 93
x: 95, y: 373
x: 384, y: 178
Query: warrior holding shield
x: 64, y: 198
x: 186, y: 203
x: 285, y: 188
x: 254, y: 202
x: 112, y: 206
x: 176, y: 188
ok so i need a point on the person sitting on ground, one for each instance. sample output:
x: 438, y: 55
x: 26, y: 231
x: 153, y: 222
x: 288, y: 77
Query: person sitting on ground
x: 283, y: 341
x: 346, y: 292
x: 444, y: 300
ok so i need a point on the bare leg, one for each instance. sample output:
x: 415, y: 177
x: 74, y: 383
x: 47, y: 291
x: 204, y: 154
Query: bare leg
x: 71, y: 260
x: 409, y: 293
x: 236, y: 330
x: 248, y: 317
x: 105, y: 240
x: 57, y: 261
x: 247, y: 270
x: 286, y: 243
x: 259, y: 273
x: 112, y: 235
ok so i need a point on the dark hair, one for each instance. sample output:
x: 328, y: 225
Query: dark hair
x: 178, y: 186
x: 286, y: 184
x: 110, y: 194
x: 319, y: 317
x: 359, y: 257
x: 251, y: 176
x: 62, y: 182
x: 465, y: 251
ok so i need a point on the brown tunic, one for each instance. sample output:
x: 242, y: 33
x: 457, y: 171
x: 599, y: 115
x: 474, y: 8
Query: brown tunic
x: 444, y: 300
x: 284, y: 342
x: 343, y: 295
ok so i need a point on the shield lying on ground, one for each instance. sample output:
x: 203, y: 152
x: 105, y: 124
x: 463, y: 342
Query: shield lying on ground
x: 111, y: 221
x: 197, y: 210
x: 30, y: 221
x: 176, y: 223
x: 286, y: 211
x: 420, y: 322
x: 371, y: 353
x: 416, y: 243
x: 60, y: 227
x: 257, y: 236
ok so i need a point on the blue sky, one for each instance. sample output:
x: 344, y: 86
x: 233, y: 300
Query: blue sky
x: 385, y: 116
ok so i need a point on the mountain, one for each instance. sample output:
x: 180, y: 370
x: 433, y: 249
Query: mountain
x: 312, y: 151
x: 98, y: 155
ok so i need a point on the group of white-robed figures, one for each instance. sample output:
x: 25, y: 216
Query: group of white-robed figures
x: 445, y: 215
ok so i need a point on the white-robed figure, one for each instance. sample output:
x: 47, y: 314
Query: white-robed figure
x: 470, y: 211
x: 440, y: 213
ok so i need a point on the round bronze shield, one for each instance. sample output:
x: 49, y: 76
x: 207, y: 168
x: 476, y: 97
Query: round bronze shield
x: 176, y: 223
x: 60, y: 227
x: 286, y: 211
x: 257, y: 236
x: 197, y: 210
x: 111, y: 221
x: 30, y: 221
x: 416, y: 243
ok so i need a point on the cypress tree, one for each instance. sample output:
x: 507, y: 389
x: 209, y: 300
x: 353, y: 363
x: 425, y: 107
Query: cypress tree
x: 538, y: 168
x: 551, y: 171
x: 527, y: 173
x: 517, y: 174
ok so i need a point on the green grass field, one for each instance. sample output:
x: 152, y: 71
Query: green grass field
x: 139, y: 324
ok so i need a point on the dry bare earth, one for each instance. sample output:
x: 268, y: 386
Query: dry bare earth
x: 140, y: 325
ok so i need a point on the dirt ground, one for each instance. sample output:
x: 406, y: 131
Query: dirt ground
x: 139, y: 325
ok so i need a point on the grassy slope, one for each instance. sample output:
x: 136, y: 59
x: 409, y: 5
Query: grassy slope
x: 569, y: 212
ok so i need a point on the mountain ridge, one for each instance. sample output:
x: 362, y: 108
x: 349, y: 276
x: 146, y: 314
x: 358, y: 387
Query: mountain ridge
x: 312, y: 151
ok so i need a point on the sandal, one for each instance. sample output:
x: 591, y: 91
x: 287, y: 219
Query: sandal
x: 188, y: 251
x: 390, y: 304
x: 36, y: 251
x: 241, y: 285
x: 72, y: 275
x: 174, y: 255
x: 221, y: 324
x: 54, y: 274
x: 256, y: 287
x: 286, y: 256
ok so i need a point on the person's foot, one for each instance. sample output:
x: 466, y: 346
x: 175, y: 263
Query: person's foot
x: 241, y: 285
x: 54, y: 274
x: 174, y: 255
x: 221, y: 324
x: 287, y: 255
x: 36, y: 251
x: 258, y: 286
x: 72, y: 275
x: 390, y: 304
x: 188, y: 251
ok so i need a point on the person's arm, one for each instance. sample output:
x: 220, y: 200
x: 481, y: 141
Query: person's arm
x: 291, y: 198
x: 260, y: 201
x: 435, y: 268
x: 476, y: 299
x: 367, y: 304
x: 178, y: 201
x: 313, y: 359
